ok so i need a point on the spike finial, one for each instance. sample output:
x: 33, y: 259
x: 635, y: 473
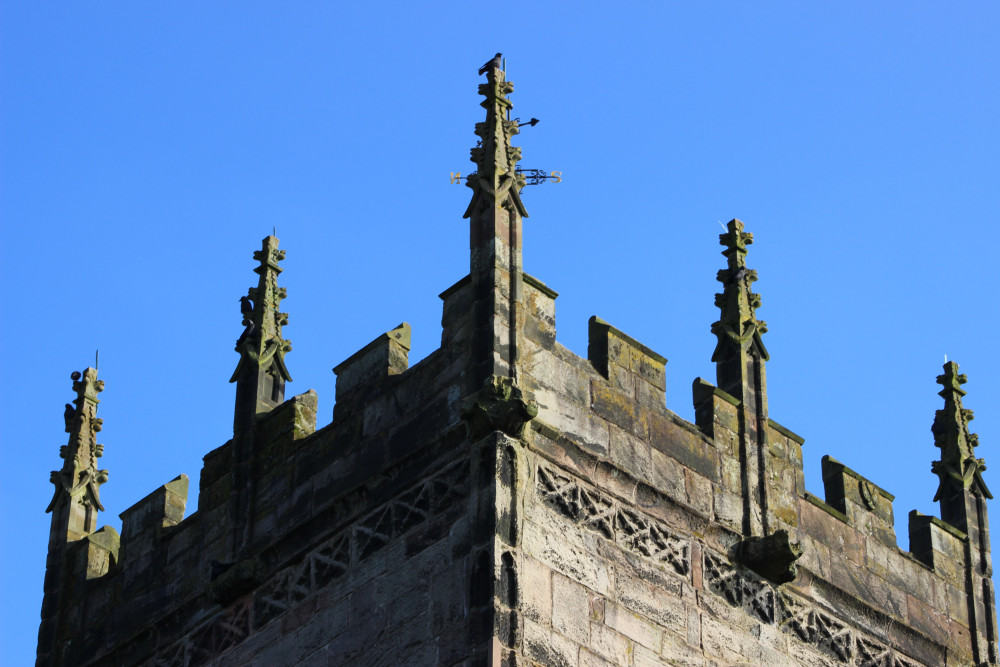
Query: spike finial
x: 738, y: 328
x: 261, y: 372
x: 79, y: 479
x: 959, y: 470
x: 495, y: 181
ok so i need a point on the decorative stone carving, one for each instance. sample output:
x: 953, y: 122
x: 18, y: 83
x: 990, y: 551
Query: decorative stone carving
x: 79, y: 481
x: 753, y: 596
x: 326, y: 563
x: 499, y: 406
x: 958, y: 469
x: 220, y: 634
x: 261, y: 373
x: 738, y: 328
x: 772, y: 557
x: 823, y: 632
x: 601, y: 514
x: 869, y: 494
x: 231, y: 581
x: 495, y: 181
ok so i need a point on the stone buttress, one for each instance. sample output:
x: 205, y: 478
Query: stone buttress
x: 497, y: 411
x: 963, y: 494
x: 505, y: 502
x: 75, y: 503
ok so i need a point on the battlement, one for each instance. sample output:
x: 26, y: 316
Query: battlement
x: 506, y: 501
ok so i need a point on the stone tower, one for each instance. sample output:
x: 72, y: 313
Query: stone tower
x: 506, y: 502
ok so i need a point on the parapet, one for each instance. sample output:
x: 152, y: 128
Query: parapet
x: 385, y: 356
x: 506, y: 500
x: 865, y: 505
x: 143, y: 523
x: 628, y: 365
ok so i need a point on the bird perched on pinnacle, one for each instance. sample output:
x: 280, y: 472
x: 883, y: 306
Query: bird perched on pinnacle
x: 246, y: 308
x: 492, y: 64
x: 738, y: 276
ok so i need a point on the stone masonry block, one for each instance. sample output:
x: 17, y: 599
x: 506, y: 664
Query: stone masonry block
x: 844, y: 540
x: 700, y: 493
x: 925, y: 618
x: 659, y: 605
x: 570, y: 609
x: 290, y: 422
x: 864, y: 585
x: 618, y: 408
x: 384, y: 356
x: 729, y: 645
x: 631, y: 454
x: 540, y: 303
x: 551, y: 371
x: 218, y: 464
x: 867, y: 506
x: 101, y: 552
x: 573, y: 420
x: 567, y: 558
x: 536, y: 591
x: 614, y: 353
x: 590, y: 659
x: 684, y: 444
x: 667, y: 476
x: 143, y: 523
x: 611, y: 645
x: 939, y: 546
x: 681, y: 652
x: 537, y: 646
x: 715, y: 409
x: 633, y: 626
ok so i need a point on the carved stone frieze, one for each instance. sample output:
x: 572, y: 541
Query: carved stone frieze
x: 756, y: 597
x: 602, y: 514
x: 812, y: 626
x: 324, y: 564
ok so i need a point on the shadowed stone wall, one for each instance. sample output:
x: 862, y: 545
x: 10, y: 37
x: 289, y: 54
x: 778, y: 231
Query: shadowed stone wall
x: 505, y: 502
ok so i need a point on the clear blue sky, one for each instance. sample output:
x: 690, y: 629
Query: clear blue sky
x: 145, y: 153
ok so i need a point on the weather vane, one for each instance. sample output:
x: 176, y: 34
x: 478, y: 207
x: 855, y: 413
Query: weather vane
x: 532, y: 176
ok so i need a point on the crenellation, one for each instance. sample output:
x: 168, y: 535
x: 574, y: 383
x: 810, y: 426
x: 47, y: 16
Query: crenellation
x: 505, y: 501
x: 866, y: 505
x: 143, y: 523
x: 540, y: 315
x: 215, y: 482
x: 938, y: 545
x: 362, y: 372
x: 101, y: 552
x: 714, y: 410
x: 629, y: 366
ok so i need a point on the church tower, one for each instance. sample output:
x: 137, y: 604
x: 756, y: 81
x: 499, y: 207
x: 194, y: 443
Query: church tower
x: 505, y: 502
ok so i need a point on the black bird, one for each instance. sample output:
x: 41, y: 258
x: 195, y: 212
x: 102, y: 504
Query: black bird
x: 246, y: 308
x: 69, y: 413
x: 495, y: 63
x: 738, y: 276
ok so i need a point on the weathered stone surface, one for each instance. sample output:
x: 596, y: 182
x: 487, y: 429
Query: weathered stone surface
x: 506, y: 502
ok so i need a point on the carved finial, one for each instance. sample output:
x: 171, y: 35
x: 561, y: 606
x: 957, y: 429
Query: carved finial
x: 738, y: 328
x: 79, y: 480
x: 958, y: 469
x: 495, y: 181
x: 261, y: 372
